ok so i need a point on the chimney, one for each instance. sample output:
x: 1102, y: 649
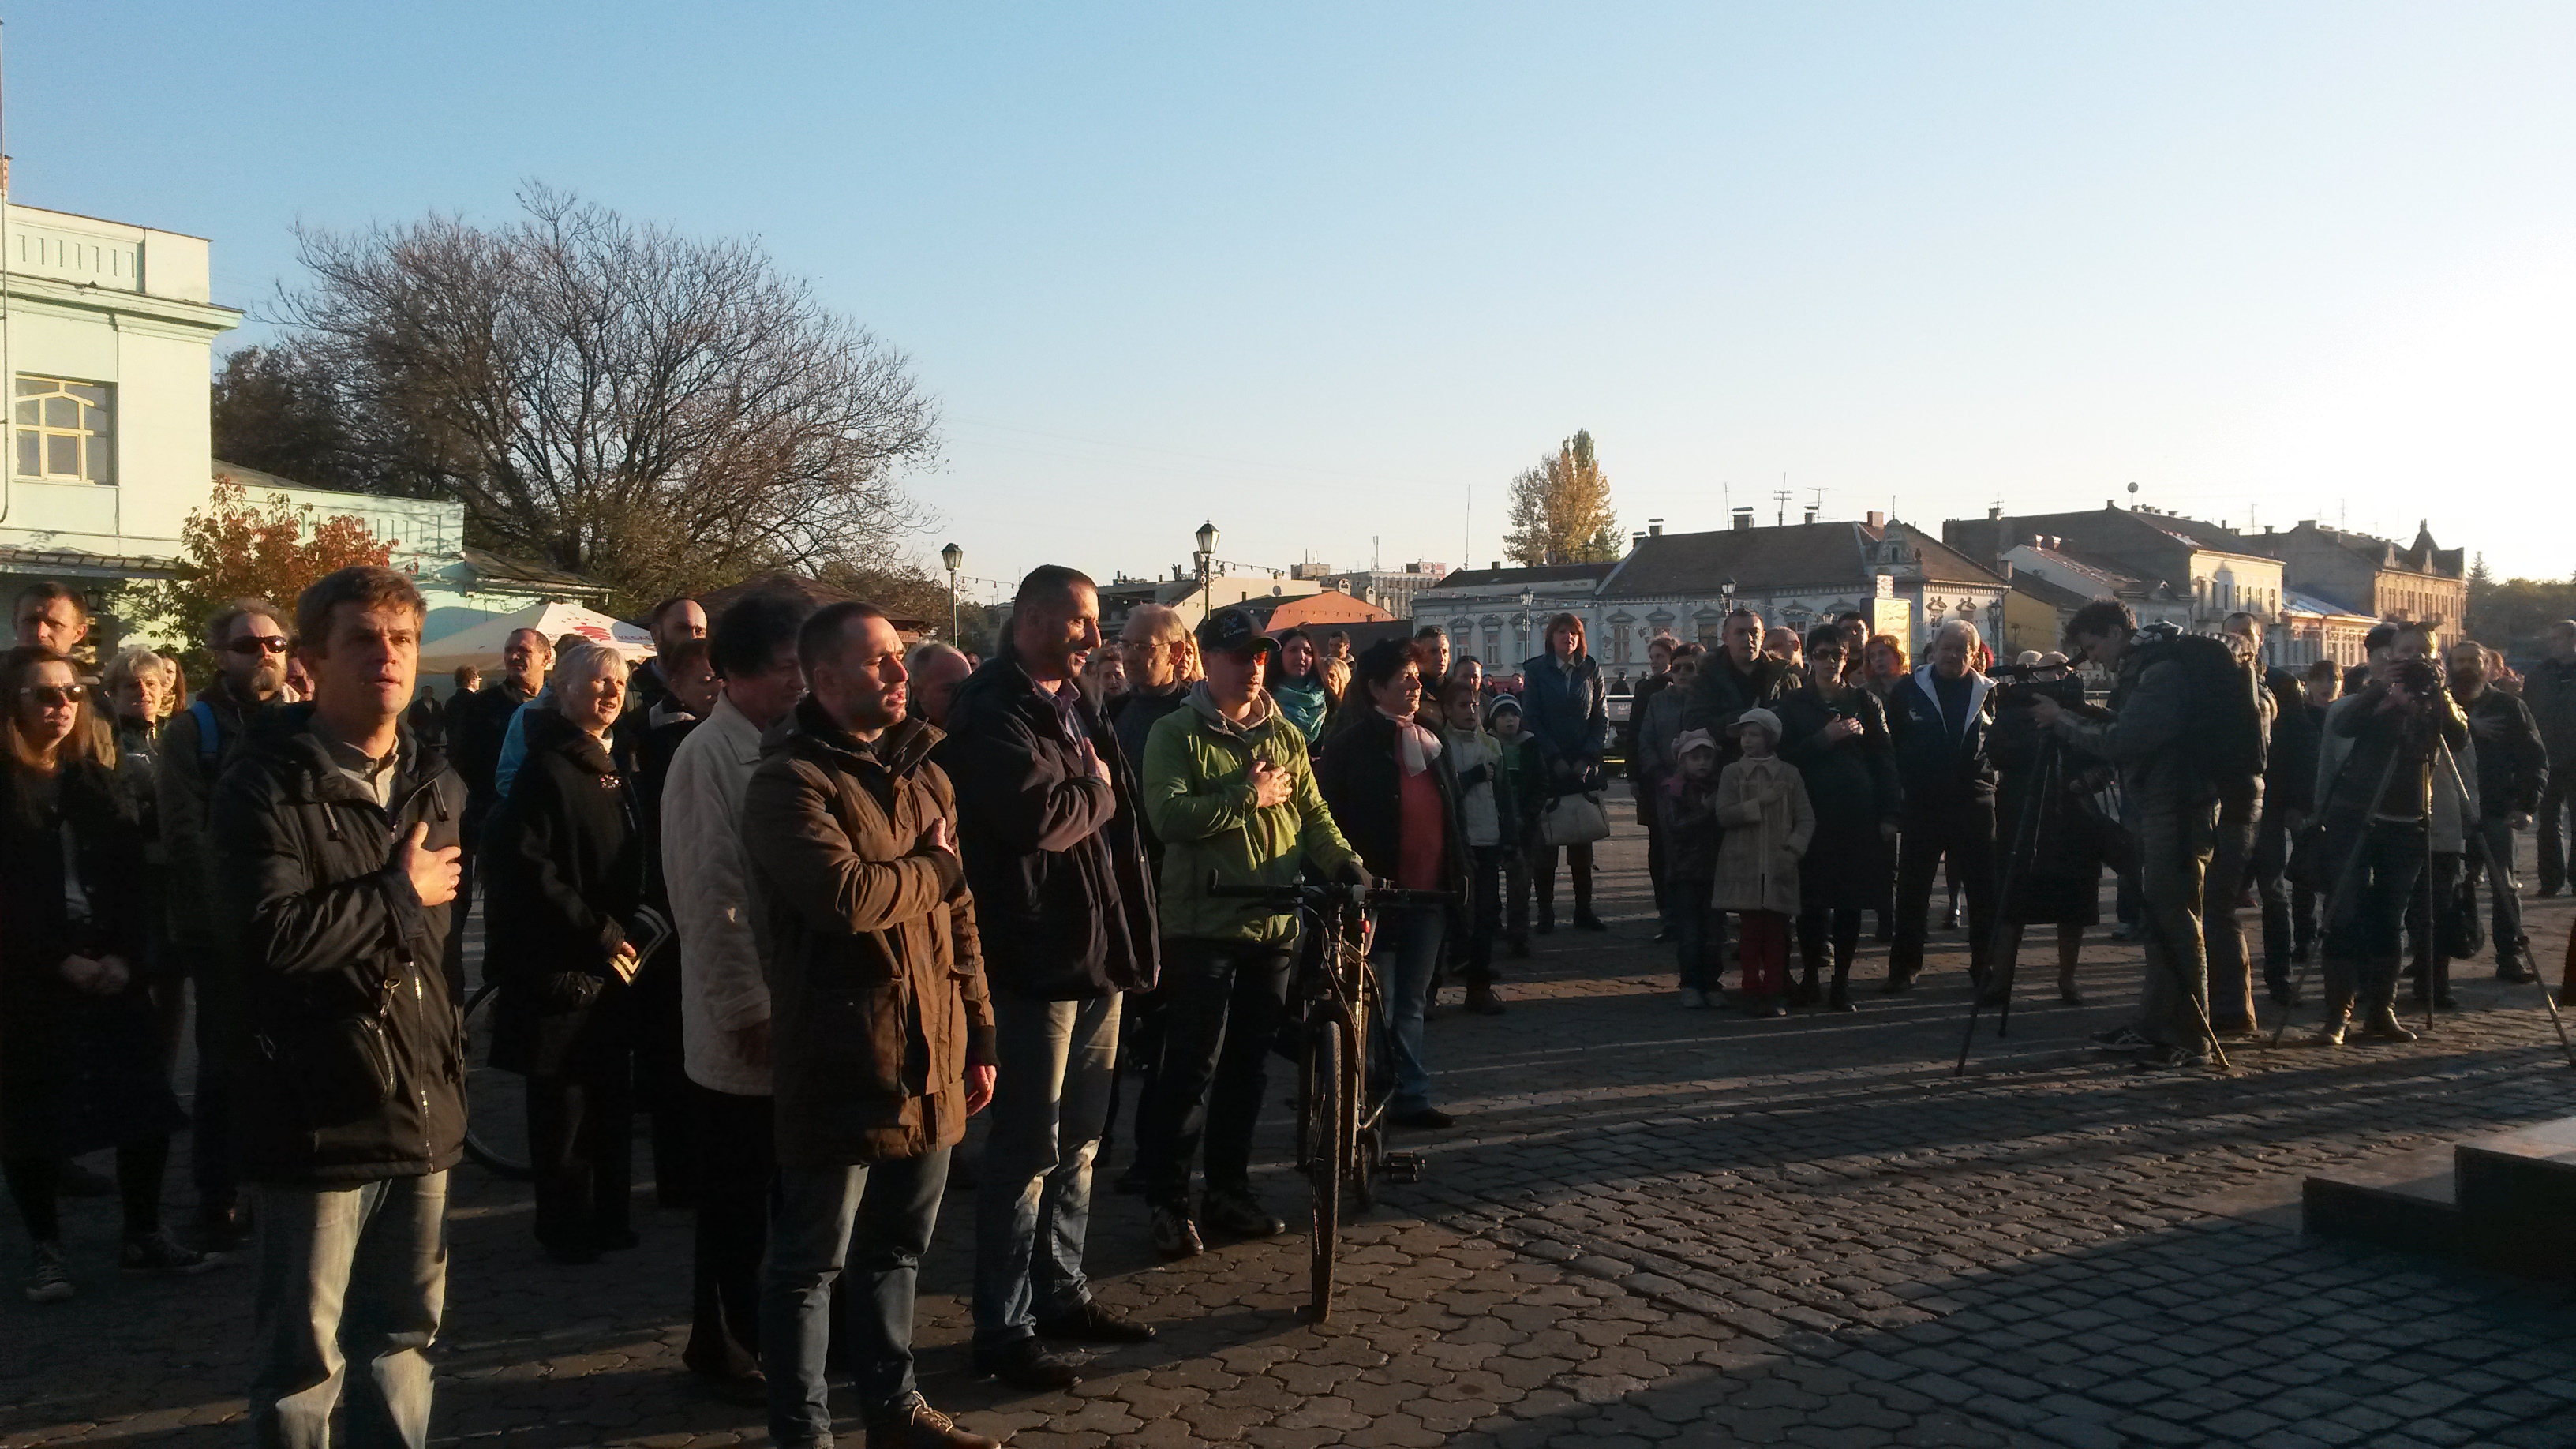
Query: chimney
x: 1654, y: 527
x: 2007, y: 573
x: 1811, y: 513
x: 1877, y: 519
x: 1496, y: 564
x: 2267, y: 528
x: 1743, y: 518
x: 1636, y: 541
x: 1994, y: 510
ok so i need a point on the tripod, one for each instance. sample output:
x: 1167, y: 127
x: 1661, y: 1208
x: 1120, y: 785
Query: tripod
x: 2046, y: 778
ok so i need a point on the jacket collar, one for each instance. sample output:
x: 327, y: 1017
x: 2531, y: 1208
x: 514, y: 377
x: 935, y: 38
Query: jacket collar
x: 549, y: 731
x: 899, y: 751
x: 1978, y: 684
x: 740, y: 739
x: 284, y: 735
x: 1203, y: 704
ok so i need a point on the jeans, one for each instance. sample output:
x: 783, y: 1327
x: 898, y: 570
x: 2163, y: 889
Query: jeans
x: 1966, y: 836
x: 1406, y: 948
x: 2496, y: 834
x: 2231, y: 965
x: 360, y: 1271
x: 1699, y: 934
x: 2557, y: 802
x: 880, y: 1215
x: 735, y: 1170
x: 2363, y: 927
x: 1222, y: 1005
x: 2174, y: 851
x: 1033, y: 1209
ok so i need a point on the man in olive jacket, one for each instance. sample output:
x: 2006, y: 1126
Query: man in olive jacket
x: 334, y: 835
x: 881, y: 1035
x: 1228, y: 790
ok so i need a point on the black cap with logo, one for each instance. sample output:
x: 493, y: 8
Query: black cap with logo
x: 1233, y: 631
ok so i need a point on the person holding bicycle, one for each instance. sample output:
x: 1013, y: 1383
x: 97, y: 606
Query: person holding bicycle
x: 1227, y: 789
x: 1381, y: 777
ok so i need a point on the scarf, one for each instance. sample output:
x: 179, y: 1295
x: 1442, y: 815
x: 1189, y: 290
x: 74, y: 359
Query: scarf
x: 1304, y: 702
x: 1414, y: 745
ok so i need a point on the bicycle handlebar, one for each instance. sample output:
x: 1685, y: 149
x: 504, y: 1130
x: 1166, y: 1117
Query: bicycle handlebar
x: 1300, y: 894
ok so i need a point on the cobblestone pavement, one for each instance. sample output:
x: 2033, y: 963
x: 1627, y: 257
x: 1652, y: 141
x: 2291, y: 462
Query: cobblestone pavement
x: 1653, y: 1227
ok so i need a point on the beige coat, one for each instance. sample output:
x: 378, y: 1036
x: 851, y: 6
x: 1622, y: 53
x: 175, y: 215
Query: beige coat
x: 1762, y: 806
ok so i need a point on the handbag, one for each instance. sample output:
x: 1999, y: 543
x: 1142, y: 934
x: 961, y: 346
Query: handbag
x: 1577, y: 819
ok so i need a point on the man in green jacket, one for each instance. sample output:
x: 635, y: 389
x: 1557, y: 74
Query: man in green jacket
x: 1226, y: 787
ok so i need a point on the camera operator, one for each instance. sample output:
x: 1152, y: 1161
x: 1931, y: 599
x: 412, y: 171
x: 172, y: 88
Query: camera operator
x: 2057, y: 853
x: 2404, y: 729
x: 2172, y: 807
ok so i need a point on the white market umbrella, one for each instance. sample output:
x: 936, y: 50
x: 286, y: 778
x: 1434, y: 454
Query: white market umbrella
x: 480, y: 644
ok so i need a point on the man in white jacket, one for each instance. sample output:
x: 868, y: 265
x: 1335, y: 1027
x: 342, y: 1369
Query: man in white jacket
x: 724, y: 997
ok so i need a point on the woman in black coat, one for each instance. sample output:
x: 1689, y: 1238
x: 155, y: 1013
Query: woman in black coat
x: 80, y: 1050
x: 1380, y: 774
x: 565, y: 890
x: 1836, y: 734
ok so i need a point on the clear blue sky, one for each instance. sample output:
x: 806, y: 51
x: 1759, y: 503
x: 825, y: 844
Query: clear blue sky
x: 1329, y: 274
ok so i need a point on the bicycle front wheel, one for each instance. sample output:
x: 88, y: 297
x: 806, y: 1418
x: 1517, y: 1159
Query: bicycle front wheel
x: 1327, y: 1135
x: 496, y: 1102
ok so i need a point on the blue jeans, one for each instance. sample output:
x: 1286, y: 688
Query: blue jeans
x: 893, y: 1206
x: 1033, y: 1210
x: 1405, y: 951
x: 360, y: 1272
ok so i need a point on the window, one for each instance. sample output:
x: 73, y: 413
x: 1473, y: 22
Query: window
x: 63, y: 431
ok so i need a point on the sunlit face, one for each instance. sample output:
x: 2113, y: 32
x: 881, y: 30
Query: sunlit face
x: 253, y: 654
x: 761, y: 698
x: 1298, y: 658
x: 2468, y: 666
x: 865, y: 687
x: 54, y: 624
x: 139, y: 695
x: 1151, y: 661
x: 1232, y: 676
x: 48, y: 703
x: 525, y: 658
x: 935, y: 683
x: 363, y: 671
x: 1782, y: 644
x: 2406, y: 648
x: 1461, y: 710
x: 592, y: 697
x: 683, y: 620
x: 1950, y: 651
x: 1433, y: 655
x: 1060, y: 634
x: 694, y: 685
x: 1401, y: 694
x: 1882, y: 662
x: 1564, y: 641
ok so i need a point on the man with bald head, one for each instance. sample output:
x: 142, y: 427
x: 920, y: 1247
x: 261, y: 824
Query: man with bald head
x: 1938, y: 718
x: 936, y: 669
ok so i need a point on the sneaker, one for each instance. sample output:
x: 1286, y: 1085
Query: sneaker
x: 1694, y: 1000
x: 913, y: 1424
x: 1428, y: 1117
x: 2121, y: 1039
x: 1237, y: 1214
x: 1095, y: 1322
x: 1026, y: 1364
x: 50, y: 1280
x: 1175, y: 1236
x: 2171, y: 1058
x: 162, y: 1253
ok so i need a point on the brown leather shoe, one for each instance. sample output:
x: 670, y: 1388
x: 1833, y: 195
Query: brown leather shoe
x: 923, y: 1427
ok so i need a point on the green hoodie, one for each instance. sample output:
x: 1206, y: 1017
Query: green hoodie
x: 1196, y: 782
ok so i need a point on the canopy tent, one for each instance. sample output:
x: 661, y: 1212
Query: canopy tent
x: 480, y: 645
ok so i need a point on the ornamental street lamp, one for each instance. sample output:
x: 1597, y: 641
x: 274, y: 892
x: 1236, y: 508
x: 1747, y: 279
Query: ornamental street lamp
x: 955, y: 558
x: 1207, y: 566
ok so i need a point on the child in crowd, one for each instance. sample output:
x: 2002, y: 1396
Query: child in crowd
x: 1521, y: 788
x: 1475, y: 762
x: 1686, y: 811
x: 1762, y: 806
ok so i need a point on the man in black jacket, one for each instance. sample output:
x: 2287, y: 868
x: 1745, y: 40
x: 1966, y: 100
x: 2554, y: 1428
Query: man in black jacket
x: 1738, y: 678
x: 335, y: 840
x: 2550, y: 691
x: 1937, y: 719
x: 2289, y: 793
x: 1048, y: 826
x: 2512, y: 766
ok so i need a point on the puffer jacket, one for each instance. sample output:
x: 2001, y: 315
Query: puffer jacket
x: 1197, y: 786
x: 352, y: 1055
x: 876, y: 977
x: 1054, y: 853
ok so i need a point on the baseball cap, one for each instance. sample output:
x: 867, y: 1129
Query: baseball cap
x: 1233, y: 631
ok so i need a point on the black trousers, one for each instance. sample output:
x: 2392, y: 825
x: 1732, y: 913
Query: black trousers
x: 1578, y: 864
x: 1964, y: 834
x: 737, y: 1161
x: 212, y: 1165
x: 2557, y: 804
x: 2282, y: 935
x: 1485, y: 864
x: 581, y: 1142
x: 662, y: 1077
x: 1222, y: 1004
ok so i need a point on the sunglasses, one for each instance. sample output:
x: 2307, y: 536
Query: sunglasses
x: 258, y: 644
x: 54, y: 695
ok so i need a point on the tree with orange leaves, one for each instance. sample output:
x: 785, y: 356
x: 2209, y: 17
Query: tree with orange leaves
x: 232, y: 548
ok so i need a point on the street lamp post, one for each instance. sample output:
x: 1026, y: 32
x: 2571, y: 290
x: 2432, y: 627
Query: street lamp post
x: 1207, y: 566
x: 955, y: 558
x: 1521, y: 625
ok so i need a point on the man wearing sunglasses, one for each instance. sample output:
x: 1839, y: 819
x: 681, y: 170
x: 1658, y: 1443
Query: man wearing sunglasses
x: 249, y: 642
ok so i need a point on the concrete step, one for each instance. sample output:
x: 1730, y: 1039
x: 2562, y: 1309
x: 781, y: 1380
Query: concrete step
x: 2517, y: 1194
x: 2405, y: 1203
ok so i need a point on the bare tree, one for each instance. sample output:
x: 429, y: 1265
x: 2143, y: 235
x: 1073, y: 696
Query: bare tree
x: 661, y: 413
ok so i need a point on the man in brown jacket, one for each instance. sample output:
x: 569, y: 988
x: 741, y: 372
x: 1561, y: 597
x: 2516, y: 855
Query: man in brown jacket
x: 881, y: 1033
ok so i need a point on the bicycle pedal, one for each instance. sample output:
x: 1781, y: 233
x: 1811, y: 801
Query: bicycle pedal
x: 1402, y: 1167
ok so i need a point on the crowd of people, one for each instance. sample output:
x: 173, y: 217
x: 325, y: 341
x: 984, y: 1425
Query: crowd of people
x: 810, y: 899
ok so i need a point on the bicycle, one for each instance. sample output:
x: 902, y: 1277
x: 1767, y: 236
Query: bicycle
x: 1345, y: 1065
x: 496, y: 1102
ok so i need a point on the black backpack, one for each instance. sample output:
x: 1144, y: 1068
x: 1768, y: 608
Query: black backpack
x: 2230, y: 734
